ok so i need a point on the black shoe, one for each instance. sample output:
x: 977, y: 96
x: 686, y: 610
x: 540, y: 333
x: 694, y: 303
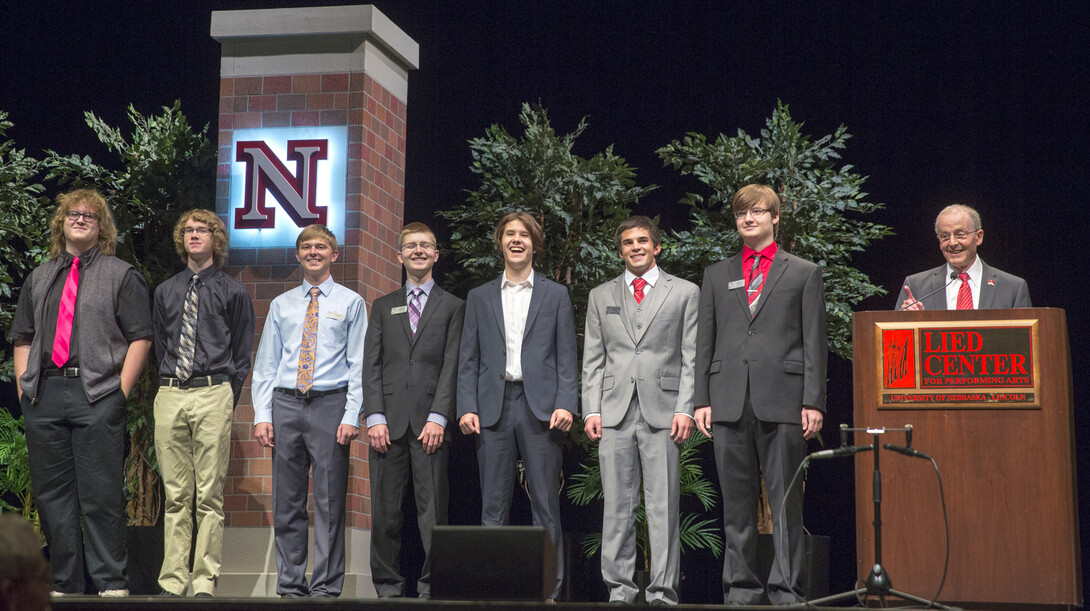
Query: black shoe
x: 166, y: 594
x: 203, y: 595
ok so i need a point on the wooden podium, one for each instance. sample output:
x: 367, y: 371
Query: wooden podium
x: 1000, y: 427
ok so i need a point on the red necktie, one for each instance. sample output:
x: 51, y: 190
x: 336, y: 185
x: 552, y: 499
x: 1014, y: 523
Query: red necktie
x: 63, y: 338
x: 965, y: 293
x: 637, y: 286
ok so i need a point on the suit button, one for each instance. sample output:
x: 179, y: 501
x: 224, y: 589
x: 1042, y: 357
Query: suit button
x: 639, y: 325
x: 637, y: 350
x: 745, y: 361
x: 752, y: 333
x: 412, y: 362
x: 632, y: 380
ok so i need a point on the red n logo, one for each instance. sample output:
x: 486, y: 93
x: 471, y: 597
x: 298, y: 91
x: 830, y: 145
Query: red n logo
x: 296, y: 192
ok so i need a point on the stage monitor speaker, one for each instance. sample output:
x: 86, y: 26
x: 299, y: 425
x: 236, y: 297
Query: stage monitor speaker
x: 492, y: 563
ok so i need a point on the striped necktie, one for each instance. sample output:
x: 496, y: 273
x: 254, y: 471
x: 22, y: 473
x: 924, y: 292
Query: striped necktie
x: 753, y: 293
x: 187, y: 342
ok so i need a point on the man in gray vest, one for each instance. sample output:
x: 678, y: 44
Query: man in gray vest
x: 81, y: 331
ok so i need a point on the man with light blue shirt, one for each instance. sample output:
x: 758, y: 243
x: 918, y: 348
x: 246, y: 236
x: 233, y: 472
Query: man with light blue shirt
x: 307, y: 395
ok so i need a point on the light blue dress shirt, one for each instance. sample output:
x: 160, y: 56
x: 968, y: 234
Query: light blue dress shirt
x: 425, y: 288
x: 338, y: 357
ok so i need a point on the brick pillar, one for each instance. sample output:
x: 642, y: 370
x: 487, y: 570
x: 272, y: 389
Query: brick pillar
x: 327, y: 66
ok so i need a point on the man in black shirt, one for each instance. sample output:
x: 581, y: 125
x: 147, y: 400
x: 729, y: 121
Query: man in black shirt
x: 81, y: 332
x: 204, y: 330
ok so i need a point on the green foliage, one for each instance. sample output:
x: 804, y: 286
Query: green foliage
x: 24, y: 223
x: 15, y: 494
x: 697, y: 531
x: 578, y: 201
x: 822, y: 203
x: 164, y: 168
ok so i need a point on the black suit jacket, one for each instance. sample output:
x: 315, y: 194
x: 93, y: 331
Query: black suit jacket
x: 781, y: 352
x: 998, y: 289
x: 405, y: 378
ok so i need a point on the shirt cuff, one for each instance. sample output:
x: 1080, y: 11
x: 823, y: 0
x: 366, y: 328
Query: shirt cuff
x: 439, y: 419
x: 376, y: 419
x: 689, y: 416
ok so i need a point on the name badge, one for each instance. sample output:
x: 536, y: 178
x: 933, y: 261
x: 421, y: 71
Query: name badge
x: 613, y: 309
x: 335, y: 315
x: 398, y: 310
x: 737, y: 284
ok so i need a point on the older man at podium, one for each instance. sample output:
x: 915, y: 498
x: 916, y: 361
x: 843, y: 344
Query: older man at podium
x: 966, y: 282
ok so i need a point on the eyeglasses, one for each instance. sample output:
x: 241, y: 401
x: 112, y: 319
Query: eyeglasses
x: 741, y: 214
x: 411, y: 246
x: 960, y: 236
x: 196, y: 230
x: 88, y: 217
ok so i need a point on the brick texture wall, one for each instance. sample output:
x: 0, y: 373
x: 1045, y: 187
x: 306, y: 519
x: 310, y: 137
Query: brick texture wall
x: 375, y: 210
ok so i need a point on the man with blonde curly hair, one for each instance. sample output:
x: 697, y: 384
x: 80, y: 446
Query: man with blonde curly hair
x: 204, y: 329
x: 81, y: 332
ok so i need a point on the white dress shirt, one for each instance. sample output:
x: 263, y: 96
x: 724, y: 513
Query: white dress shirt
x: 976, y: 276
x: 515, y: 298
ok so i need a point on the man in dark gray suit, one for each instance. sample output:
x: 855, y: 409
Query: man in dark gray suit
x: 761, y: 357
x: 969, y: 282
x: 519, y: 323
x: 639, y: 358
x: 409, y: 374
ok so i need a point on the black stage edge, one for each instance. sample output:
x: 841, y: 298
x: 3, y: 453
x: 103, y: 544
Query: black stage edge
x: 90, y: 603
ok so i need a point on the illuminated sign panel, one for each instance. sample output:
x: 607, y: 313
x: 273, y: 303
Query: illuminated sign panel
x: 971, y: 364
x: 284, y: 179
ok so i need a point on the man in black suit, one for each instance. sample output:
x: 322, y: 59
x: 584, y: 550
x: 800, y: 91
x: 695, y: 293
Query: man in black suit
x: 410, y: 367
x: 517, y: 380
x: 761, y: 357
x: 970, y: 283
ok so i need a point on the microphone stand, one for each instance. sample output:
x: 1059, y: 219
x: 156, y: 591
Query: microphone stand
x: 878, y: 582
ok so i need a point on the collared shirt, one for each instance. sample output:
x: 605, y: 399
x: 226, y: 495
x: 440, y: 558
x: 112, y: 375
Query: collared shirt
x: 976, y: 276
x: 338, y: 357
x: 132, y: 316
x: 225, y: 325
x: 515, y: 298
x: 768, y: 253
x: 425, y: 288
x: 651, y: 277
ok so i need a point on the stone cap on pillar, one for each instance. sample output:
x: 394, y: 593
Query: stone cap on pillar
x: 316, y: 40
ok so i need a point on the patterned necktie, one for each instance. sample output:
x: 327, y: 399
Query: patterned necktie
x: 637, y: 286
x: 305, y: 377
x: 63, y: 339
x: 414, y: 309
x: 965, y: 293
x: 753, y: 292
x: 187, y: 342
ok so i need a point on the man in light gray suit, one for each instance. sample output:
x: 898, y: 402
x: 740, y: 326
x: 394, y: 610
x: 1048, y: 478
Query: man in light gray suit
x: 969, y: 282
x: 409, y: 373
x: 520, y: 323
x: 761, y: 358
x: 639, y: 355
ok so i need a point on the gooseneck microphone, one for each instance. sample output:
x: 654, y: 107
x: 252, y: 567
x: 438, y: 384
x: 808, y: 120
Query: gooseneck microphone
x: 913, y: 452
x: 841, y: 451
x: 953, y: 276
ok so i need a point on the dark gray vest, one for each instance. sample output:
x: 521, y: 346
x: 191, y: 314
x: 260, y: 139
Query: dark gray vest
x: 102, y: 346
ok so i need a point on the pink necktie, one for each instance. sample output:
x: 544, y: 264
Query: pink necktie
x: 637, y: 286
x: 63, y: 338
x: 965, y: 293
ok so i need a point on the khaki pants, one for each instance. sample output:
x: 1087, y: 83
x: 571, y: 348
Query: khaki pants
x: 193, y: 444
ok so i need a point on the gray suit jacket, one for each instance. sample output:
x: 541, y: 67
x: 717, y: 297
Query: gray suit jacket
x: 656, y: 360
x: 549, y: 353
x: 997, y: 289
x: 781, y: 352
x: 405, y: 378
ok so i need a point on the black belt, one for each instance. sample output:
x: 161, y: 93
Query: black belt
x: 67, y: 372
x: 194, y: 382
x: 311, y: 394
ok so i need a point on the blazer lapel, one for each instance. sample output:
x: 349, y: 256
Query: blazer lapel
x: 775, y: 272
x: 620, y: 294
x: 734, y: 274
x: 537, y: 296
x: 403, y: 321
x: 497, y: 305
x: 936, y: 289
x: 658, y: 296
x: 988, y: 287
